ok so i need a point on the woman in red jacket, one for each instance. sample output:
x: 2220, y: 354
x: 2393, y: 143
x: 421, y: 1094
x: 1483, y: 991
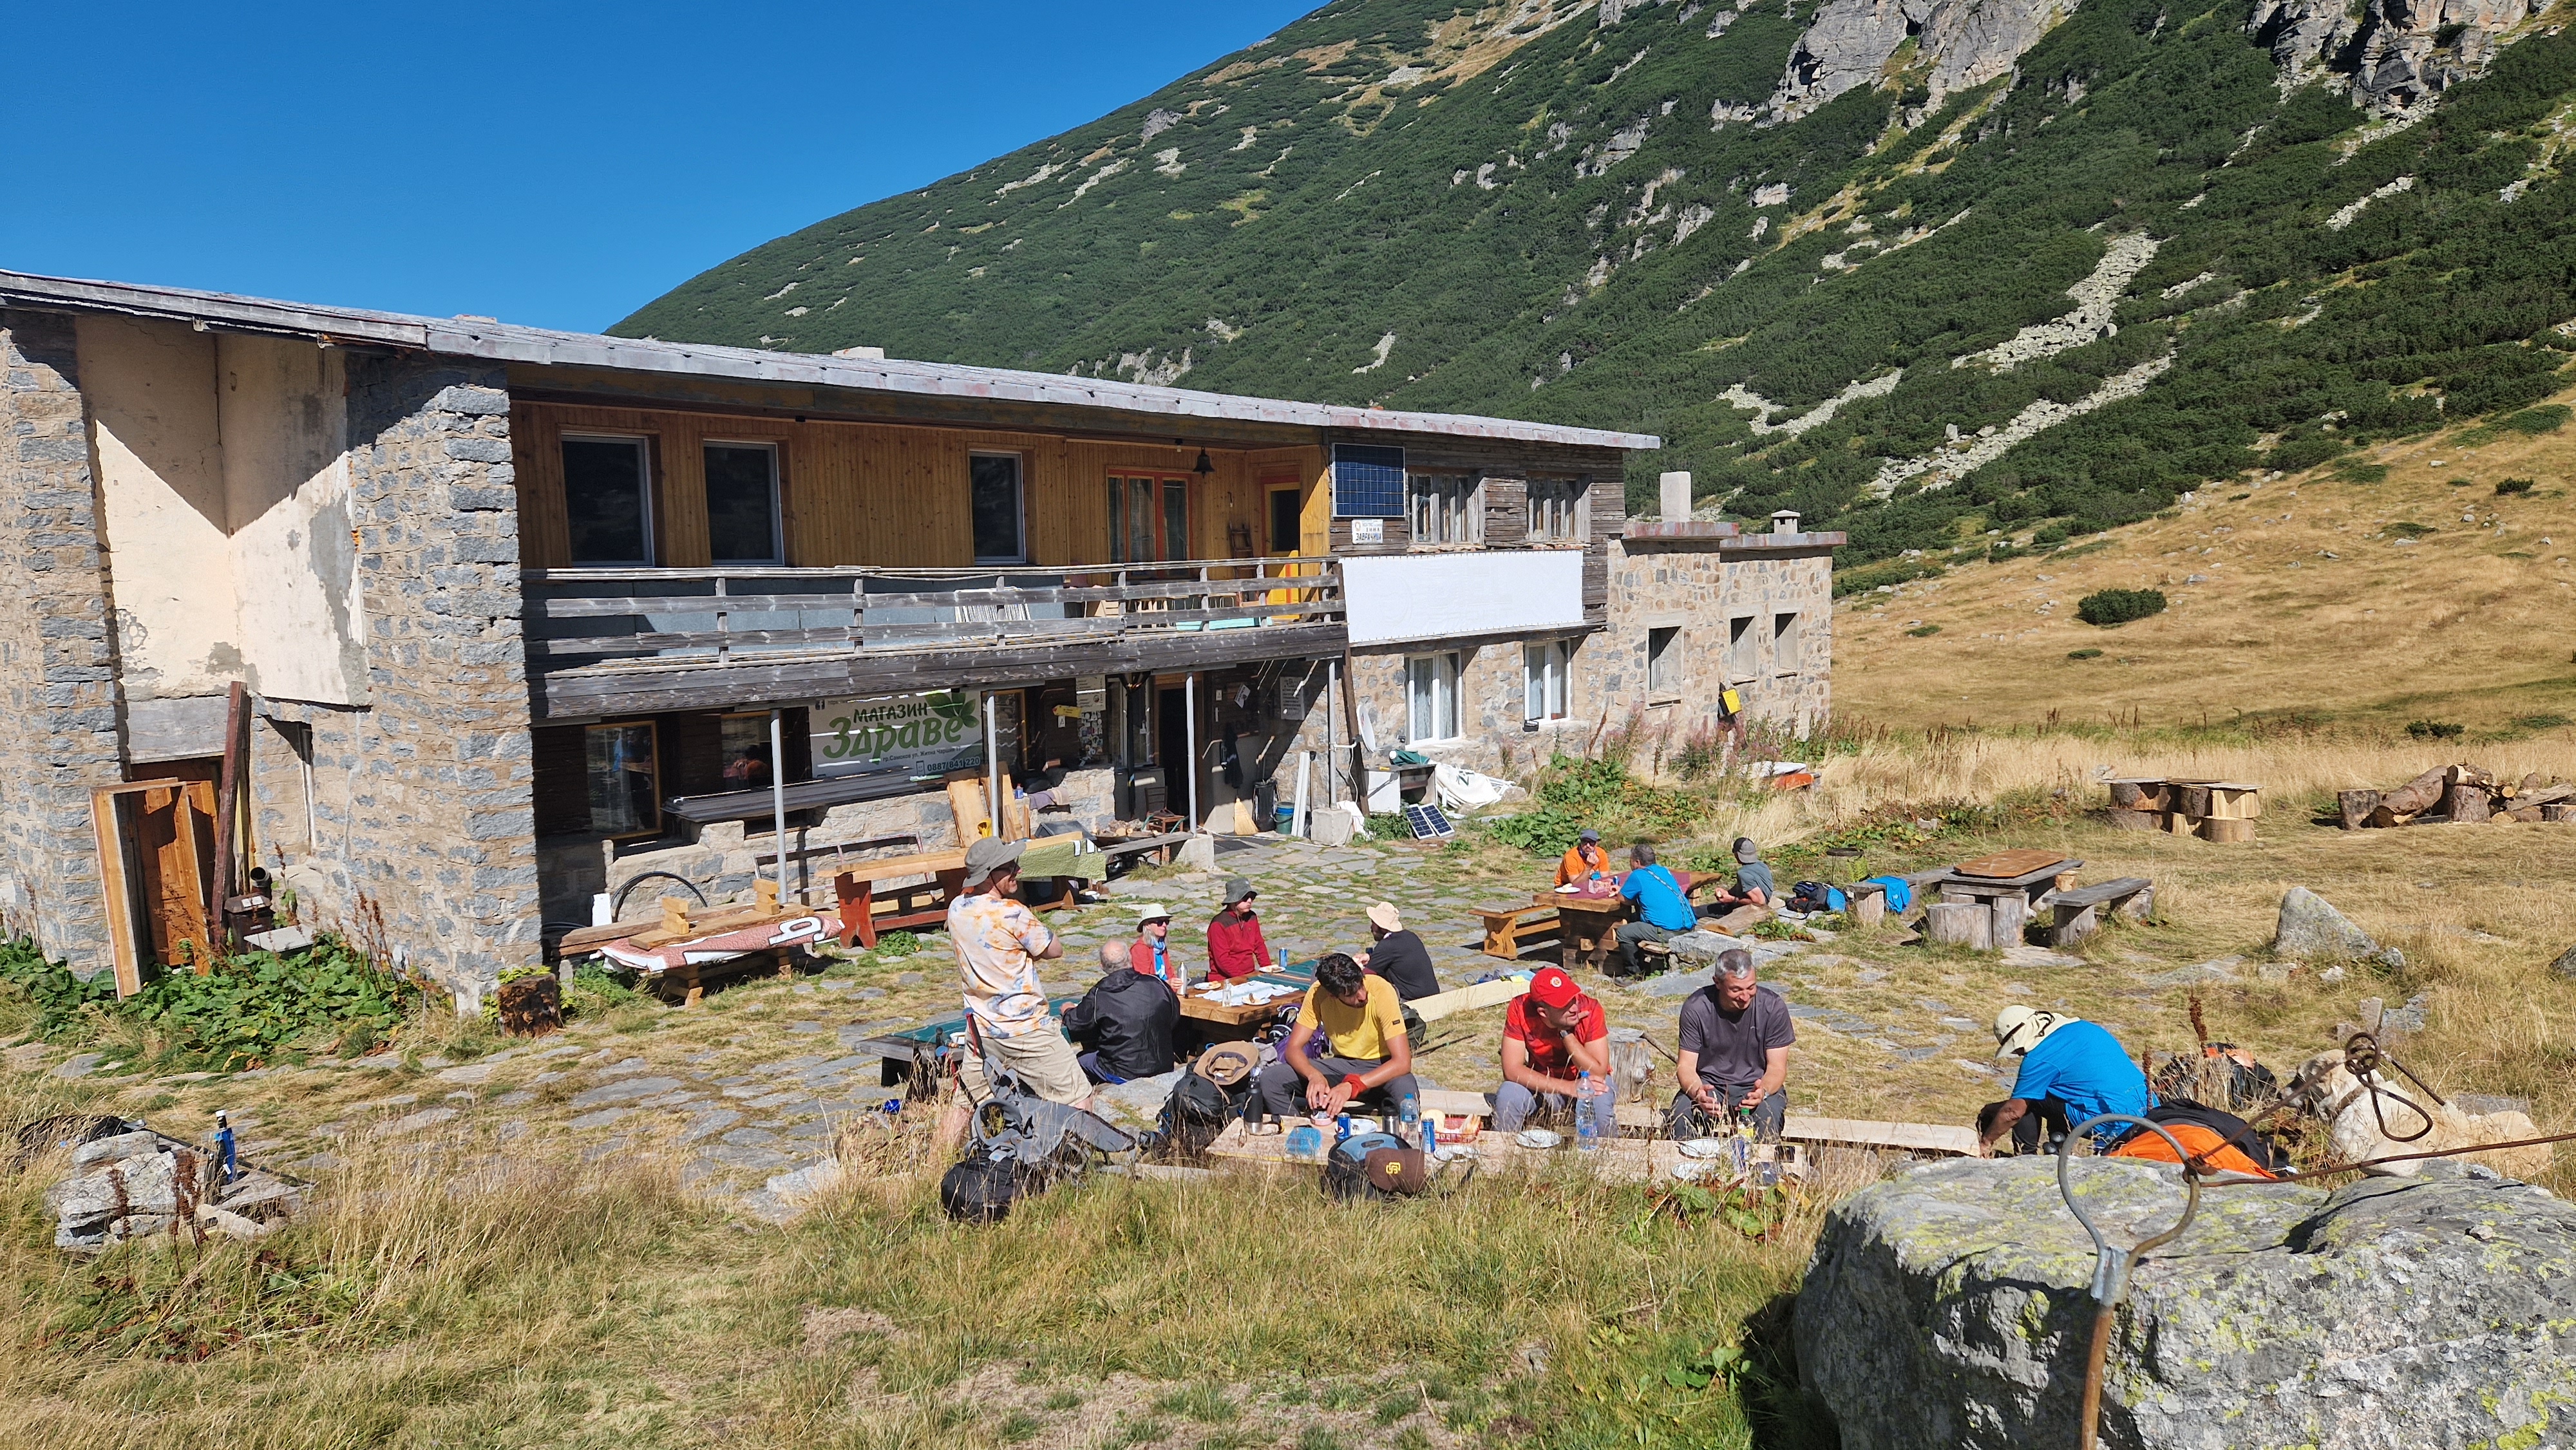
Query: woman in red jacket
x: 1235, y: 946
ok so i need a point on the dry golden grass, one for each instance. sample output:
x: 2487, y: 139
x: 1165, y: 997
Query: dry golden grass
x: 2467, y: 625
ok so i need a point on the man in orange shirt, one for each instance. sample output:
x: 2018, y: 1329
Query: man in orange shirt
x: 1584, y: 860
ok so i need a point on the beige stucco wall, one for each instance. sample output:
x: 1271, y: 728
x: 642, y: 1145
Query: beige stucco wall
x: 222, y: 472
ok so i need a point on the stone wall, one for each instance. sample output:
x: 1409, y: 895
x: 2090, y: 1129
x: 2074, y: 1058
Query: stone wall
x: 57, y: 664
x: 442, y: 837
x: 1702, y: 589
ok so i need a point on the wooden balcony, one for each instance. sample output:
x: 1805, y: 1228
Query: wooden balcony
x: 618, y: 641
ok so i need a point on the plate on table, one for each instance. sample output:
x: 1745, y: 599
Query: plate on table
x: 1538, y: 1138
x: 1704, y: 1148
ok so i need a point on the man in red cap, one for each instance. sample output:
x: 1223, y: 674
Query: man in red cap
x: 1552, y: 1035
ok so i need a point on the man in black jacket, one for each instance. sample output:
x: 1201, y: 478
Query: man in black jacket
x: 1398, y: 955
x: 1126, y: 1021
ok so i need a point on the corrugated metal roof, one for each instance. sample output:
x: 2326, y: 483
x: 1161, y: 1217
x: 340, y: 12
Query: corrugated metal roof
x: 507, y: 342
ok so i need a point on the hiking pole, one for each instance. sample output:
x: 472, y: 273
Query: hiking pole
x: 2111, y: 1264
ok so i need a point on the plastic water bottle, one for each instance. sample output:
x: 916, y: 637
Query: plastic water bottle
x: 1306, y: 1141
x: 1408, y: 1116
x: 1587, y: 1136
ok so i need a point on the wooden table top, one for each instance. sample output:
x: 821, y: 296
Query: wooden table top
x: 1195, y: 1004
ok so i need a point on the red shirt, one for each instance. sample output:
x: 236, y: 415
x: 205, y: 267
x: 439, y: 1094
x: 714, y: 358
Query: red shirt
x: 1547, y: 1054
x: 1235, y: 946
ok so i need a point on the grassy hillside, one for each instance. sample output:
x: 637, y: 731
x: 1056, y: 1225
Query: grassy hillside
x: 1588, y: 213
x: 2440, y: 593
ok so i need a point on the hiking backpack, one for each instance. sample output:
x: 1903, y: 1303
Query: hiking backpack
x: 1198, y: 1110
x: 1346, y: 1175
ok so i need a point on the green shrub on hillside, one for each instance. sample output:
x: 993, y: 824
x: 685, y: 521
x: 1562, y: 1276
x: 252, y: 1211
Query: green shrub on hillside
x: 2111, y: 607
x: 2546, y: 419
x: 2508, y: 487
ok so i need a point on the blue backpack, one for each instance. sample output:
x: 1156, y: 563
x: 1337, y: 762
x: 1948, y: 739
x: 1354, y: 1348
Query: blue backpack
x: 1899, y: 894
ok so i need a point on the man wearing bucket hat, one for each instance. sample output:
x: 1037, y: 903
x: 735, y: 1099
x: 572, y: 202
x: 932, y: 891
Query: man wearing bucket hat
x: 1151, y: 951
x: 1126, y: 1020
x: 999, y: 943
x: 1236, y: 949
x: 1398, y: 955
x: 2071, y: 1070
x: 1553, y: 1034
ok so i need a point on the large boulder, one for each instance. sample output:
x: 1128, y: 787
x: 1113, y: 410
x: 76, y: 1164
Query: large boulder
x: 2565, y: 966
x: 1949, y: 1307
x: 2312, y: 930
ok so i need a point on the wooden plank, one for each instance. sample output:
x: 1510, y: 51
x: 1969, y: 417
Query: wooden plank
x: 186, y: 903
x: 875, y: 635
x: 2010, y: 865
x: 1942, y: 1138
x: 1467, y: 999
x: 117, y: 886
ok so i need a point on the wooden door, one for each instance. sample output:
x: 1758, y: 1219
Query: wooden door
x: 156, y: 847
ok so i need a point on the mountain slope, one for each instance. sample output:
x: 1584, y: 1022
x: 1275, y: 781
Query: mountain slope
x: 1890, y: 262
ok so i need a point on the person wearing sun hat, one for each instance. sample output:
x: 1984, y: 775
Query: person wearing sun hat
x: 1236, y: 949
x: 999, y: 943
x: 2071, y: 1070
x: 1151, y: 951
x: 1552, y: 1035
x: 1398, y: 955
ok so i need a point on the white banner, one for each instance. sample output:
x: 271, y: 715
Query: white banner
x: 927, y: 735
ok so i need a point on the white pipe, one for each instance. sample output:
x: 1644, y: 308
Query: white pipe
x: 1297, y: 821
x: 778, y: 793
x: 1190, y: 744
x: 992, y: 771
x: 1333, y: 731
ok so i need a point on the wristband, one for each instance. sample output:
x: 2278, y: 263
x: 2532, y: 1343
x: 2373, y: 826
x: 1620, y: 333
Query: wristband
x: 1352, y: 1081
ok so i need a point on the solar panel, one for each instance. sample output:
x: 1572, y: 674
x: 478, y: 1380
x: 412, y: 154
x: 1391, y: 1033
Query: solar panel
x: 1368, y: 483
x: 1428, y: 823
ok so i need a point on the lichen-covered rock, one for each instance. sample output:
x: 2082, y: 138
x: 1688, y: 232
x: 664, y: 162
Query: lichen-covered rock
x: 1949, y: 1307
x: 1964, y: 43
x: 2390, y: 56
x: 2312, y: 930
x: 2565, y: 966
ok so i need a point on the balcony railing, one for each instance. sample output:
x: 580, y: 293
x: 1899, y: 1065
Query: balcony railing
x: 726, y: 615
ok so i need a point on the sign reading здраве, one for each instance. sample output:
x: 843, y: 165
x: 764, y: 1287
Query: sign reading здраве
x: 926, y: 735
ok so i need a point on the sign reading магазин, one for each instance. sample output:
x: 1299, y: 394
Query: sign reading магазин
x: 924, y: 735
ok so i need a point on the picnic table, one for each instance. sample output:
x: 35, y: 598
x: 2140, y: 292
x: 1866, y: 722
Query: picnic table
x: 1195, y: 1003
x: 1588, y: 923
x: 1985, y: 903
x: 882, y: 895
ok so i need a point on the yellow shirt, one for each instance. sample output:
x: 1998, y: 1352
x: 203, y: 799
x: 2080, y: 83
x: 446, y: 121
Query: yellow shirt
x: 1361, y: 1033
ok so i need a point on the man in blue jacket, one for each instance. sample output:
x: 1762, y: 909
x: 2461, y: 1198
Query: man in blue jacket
x: 2071, y: 1070
x: 1662, y: 907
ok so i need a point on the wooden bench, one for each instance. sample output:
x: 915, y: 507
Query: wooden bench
x: 865, y: 911
x: 1505, y: 926
x: 2078, y: 911
x: 1162, y: 846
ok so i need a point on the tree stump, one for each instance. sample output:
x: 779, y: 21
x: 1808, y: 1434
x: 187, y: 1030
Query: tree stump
x: 2415, y: 796
x: 2468, y: 803
x: 2123, y: 820
x: 2356, y: 806
x: 2010, y: 913
x: 2195, y: 801
x: 531, y: 1006
x: 1869, y: 909
x: 2215, y: 829
x: 1960, y: 924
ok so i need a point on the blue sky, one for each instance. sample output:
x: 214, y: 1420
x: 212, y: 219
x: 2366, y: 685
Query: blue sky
x: 552, y: 164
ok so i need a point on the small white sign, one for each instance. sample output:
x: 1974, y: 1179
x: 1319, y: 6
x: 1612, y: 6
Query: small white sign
x: 1368, y: 531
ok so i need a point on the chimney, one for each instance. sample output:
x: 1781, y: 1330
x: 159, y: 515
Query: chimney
x: 1677, y: 498
x: 860, y: 354
x: 1784, y: 521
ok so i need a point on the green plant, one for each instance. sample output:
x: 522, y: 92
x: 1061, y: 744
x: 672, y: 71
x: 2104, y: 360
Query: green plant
x: 2509, y: 486
x: 2110, y: 607
x: 2435, y: 730
x: 1924, y: 631
x: 2353, y: 470
x: 897, y: 944
x: 2084, y: 654
x: 2547, y: 418
x: 1389, y: 826
x: 1020, y: 1428
x: 2540, y: 722
x: 2406, y: 530
x: 60, y: 1006
x: 1547, y: 831
x: 253, y: 1008
x: 1206, y: 1404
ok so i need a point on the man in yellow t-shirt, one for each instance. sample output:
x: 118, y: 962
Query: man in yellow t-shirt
x: 1364, y: 1054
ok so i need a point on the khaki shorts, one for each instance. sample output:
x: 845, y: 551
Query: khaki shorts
x: 1041, y: 1057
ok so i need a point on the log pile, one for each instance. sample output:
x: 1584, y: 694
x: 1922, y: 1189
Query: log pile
x: 2459, y: 795
x: 2213, y: 810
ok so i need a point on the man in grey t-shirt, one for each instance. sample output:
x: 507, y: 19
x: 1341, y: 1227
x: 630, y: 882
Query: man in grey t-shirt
x: 1735, y: 1039
x: 1753, y: 883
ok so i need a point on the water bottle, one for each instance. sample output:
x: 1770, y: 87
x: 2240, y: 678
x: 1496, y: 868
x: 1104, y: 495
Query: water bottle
x: 1408, y: 1116
x: 1587, y: 1136
x: 1306, y: 1142
x: 224, y: 1146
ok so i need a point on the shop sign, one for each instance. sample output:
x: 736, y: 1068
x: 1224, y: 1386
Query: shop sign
x: 927, y: 735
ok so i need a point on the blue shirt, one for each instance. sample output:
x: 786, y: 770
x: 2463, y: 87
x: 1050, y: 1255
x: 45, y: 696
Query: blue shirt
x: 1659, y: 898
x: 2083, y: 1066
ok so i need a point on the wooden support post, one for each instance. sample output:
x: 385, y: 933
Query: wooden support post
x: 2074, y: 927
x: 1868, y: 910
x: 228, y: 813
x: 1967, y: 924
x: 2011, y: 910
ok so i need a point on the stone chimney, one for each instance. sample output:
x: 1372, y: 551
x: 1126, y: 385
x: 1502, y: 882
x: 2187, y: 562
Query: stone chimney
x: 1784, y: 521
x: 1677, y: 498
x: 860, y: 354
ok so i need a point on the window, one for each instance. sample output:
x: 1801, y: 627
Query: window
x: 994, y: 480
x: 1555, y: 511
x: 1287, y: 522
x: 743, y: 741
x: 608, y: 503
x: 742, y: 503
x: 1784, y: 644
x: 1543, y: 674
x: 1739, y: 648
x: 1148, y: 519
x: 1431, y: 698
x: 1445, y: 509
x: 625, y: 779
x: 1664, y: 661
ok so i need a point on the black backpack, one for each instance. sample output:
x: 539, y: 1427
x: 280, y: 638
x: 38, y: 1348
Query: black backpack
x: 979, y: 1188
x: 1346, y: 1175
x: 1198, y: 1110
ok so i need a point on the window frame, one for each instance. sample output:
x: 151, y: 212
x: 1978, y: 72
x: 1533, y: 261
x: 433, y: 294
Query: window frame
x: 1459, y: 499
x: 1271, y: 491
x: 1160, y: 490
x: 1788, y: 644
x: 1447, y: 671
x: 777, y: 500
x: 653, y: 755
x: 1019, y: 506
x: 1547, y: 678
x: 642, y: 443
x: 1666, y: 676
x: 1743, y: 666
x: 1575, y: 496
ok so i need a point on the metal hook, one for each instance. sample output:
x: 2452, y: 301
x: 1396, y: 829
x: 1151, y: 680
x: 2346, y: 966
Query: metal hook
x: 2111, y: 1264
